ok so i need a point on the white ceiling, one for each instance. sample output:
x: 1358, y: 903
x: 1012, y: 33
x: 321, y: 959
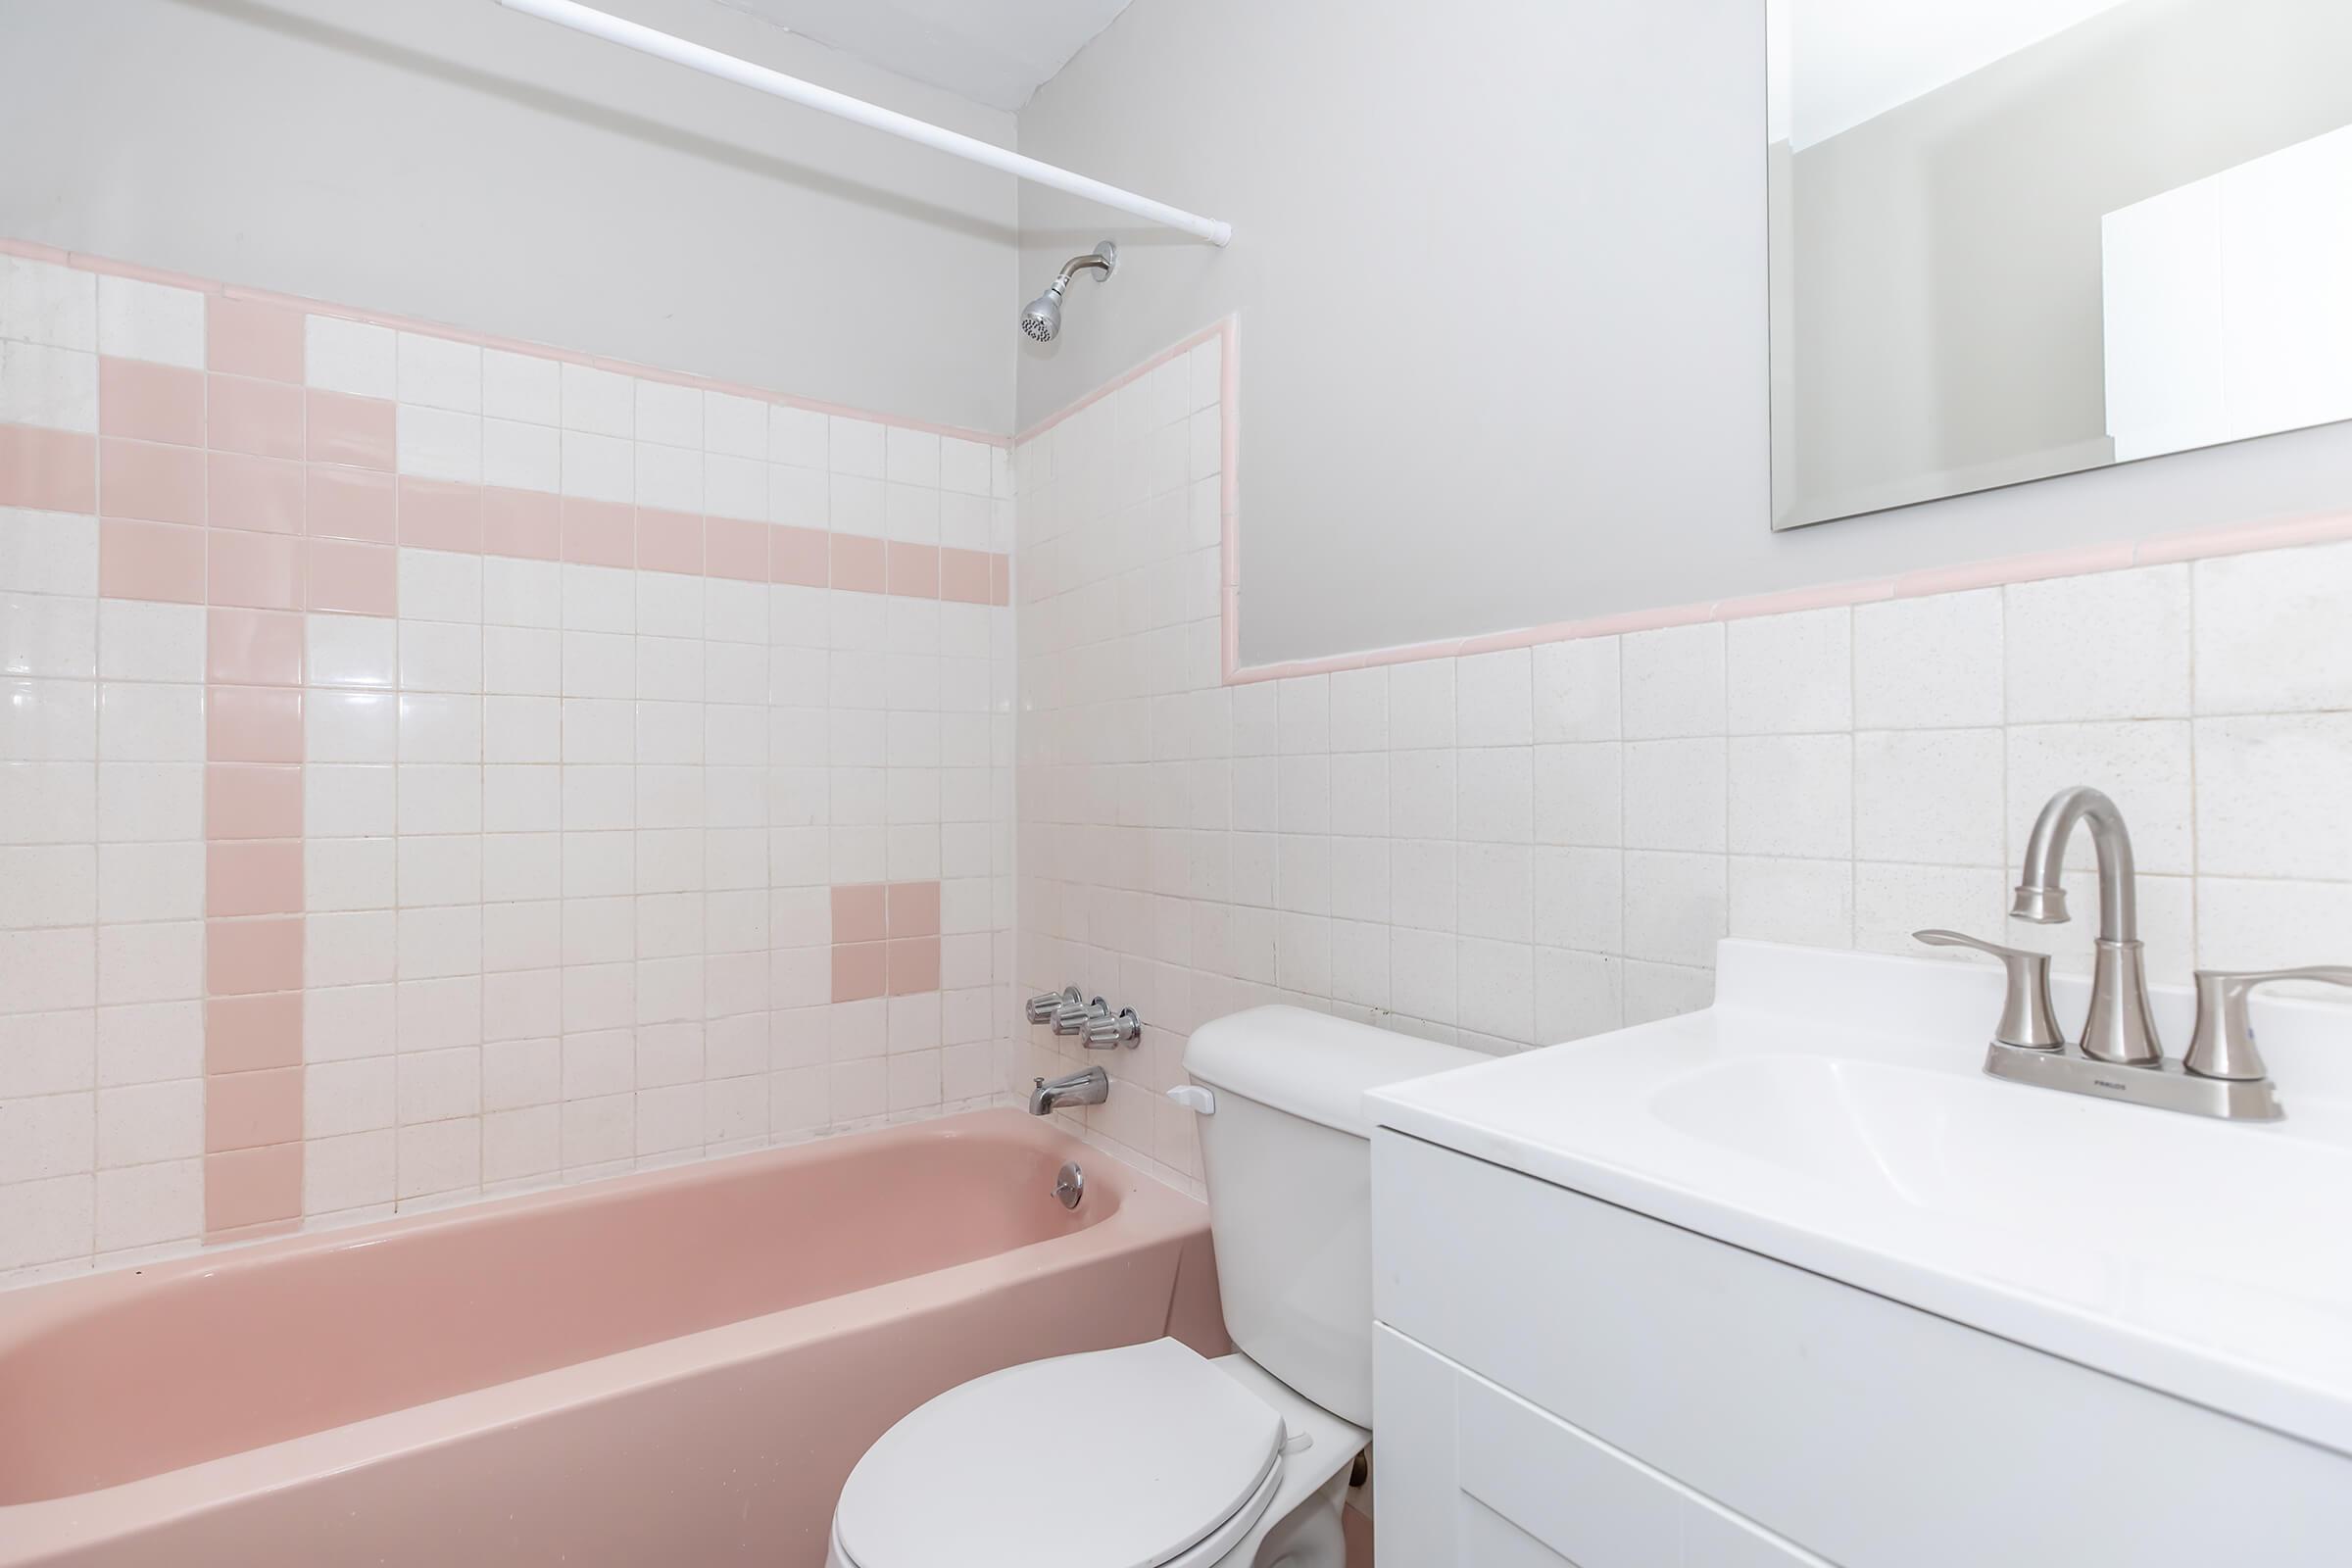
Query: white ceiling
x: 994, y: 52
x: 1838, y: 63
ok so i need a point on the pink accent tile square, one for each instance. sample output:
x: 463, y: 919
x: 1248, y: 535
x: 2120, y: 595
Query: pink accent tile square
x: 858, y: 565
x: 244, y: 957
x: 248, y: 1188
x: 913, y: 570
x: 253, y: 724
x: 50, y: 470
x: 861, y: 970
x: 252, y: 1109
x: 999, y: 579
x: 158, y: 561
x: 353, y: 578
x: 350, y: 504
x: 254, y: 570
x: 151, y: 484
x: 151, y: 402
x: 245, y: 337
x: 915, y: 908
x: 860, y: 913
x: 668, y: 541
x: 253, y: 648
x: 356, y: 431
x: 964, y: 577
x: 733, y: 548
x: 435, y: 514
x: 599, y: 533
x: 262, y: 419
x: 913, y: 965
x: 261, y: 876
x: 252, y: 801
x: 523, y: 523
x: 264, y: 495
x: 245, y: 1034
x: 799, y: 555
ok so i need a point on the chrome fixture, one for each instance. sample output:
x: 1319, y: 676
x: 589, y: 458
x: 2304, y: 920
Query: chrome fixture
x: 1089, y: 1087
x: 2119, y: 1029
x: 1106, y: 1033
x: 2120, y: 1055
x: 1069, y: 1184
x: 1073, y: 1015
x: 1042, y: 319
x: 2028, y: 1022
x: 1042, y: 1007
x: 2222, y: 1046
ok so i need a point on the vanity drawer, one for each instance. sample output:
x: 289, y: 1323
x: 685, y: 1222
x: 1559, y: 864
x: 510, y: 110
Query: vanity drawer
x: 1874, y: 1434
x: 1496, y: 1483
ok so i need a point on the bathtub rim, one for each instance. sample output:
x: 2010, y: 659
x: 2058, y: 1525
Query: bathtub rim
x: 1148, y: 1214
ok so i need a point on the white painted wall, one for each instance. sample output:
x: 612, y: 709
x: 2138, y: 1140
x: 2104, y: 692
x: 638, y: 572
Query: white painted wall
x: 1502, y: 278
x: 449, y: 160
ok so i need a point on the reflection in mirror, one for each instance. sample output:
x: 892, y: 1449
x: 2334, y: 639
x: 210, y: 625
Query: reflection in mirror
x: 2014, y: 238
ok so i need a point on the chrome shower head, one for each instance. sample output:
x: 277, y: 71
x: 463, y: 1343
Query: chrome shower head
x: 1041, y: 320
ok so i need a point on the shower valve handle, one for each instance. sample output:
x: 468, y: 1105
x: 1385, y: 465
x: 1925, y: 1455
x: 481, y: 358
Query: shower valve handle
x: 1042, y: 1007
x: 1075, y: 1015
x: 1108, y: 1033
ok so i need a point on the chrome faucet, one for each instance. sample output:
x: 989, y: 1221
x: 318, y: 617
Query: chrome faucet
x: 1089, y: 1087
x: 2120, y: 1028
x: 2119, y: 1056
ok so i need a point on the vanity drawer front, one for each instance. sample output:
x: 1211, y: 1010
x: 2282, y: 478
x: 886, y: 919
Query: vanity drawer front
x: 1874, y: 1434
x: 1489, y: 1481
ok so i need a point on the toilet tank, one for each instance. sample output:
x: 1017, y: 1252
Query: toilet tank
x: 1288, y: 1158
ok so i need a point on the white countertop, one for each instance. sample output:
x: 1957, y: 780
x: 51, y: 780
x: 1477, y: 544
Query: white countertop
x: 1829, y: 1111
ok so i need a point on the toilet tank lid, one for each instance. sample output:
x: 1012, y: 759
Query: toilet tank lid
x: 1312, y: 1064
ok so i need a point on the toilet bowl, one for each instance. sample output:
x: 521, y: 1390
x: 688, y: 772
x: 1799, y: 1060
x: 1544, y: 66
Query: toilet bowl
x: 1153, y: 1455
x: 1147, y: 1456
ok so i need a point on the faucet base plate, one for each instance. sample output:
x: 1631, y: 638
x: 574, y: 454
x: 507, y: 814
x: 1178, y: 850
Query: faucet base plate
x: 2164, y: 1085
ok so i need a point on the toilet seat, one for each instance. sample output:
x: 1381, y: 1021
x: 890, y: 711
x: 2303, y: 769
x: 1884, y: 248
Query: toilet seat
x: 1147, y: 1456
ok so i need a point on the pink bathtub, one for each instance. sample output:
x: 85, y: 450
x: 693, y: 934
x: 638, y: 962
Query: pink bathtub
x: 673, y: 1368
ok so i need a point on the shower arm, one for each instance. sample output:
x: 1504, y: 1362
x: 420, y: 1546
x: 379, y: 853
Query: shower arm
x: 1079, y: 263
x: 727, y: 68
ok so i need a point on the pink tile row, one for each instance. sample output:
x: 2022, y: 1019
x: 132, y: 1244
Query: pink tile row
x: 262, y: 334
x: 293, y: 534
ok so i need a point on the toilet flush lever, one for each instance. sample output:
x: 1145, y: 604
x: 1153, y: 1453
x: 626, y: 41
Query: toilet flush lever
x: 1191, y: 1096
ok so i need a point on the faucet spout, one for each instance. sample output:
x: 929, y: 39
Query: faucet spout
x: 2041, y: 899
x: 1089, y: 1087
x: 2120, y: 1027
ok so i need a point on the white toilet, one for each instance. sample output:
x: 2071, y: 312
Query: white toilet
x: 1152, y: 1456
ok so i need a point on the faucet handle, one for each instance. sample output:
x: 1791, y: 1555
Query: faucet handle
x: 1103, y: 1033
x: 2026, y: 1018
x: 1073, y: 1015
x: 1042, y: 1007
x: 2224, y: 1045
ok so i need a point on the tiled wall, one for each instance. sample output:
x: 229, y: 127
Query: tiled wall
x: 1533, y: 844
x: 431, y: 768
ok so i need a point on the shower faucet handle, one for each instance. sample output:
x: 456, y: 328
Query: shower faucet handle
x: 1042, y: 1007
x: 1108, y: 1033
x: 1075, y: 1015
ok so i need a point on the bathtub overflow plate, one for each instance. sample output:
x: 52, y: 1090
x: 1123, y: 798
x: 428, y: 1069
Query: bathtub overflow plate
x: 1069, y: 1184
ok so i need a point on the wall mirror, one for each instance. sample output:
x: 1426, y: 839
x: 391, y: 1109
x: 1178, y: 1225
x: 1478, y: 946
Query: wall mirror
x: 2017, y: 238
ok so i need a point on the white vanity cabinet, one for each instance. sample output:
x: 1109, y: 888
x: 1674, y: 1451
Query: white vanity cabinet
x: 1560, y: 1380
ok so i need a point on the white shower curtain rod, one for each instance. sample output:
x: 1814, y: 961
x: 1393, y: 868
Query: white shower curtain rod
x: 678, y: 51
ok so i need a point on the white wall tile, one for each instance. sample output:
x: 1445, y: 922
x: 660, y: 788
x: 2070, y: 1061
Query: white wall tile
x: 1933, y: 663
x: 439, y: 372
x: 1673, y: 682
x: 521, y: 386
x: 2112, y: 645
x: 1929, y: 796
x: 142, y: 321
x: 2270, y: 631
x: 2271, y: 793
x: 1790, y: 674
x: 1792, y: 794
x: 42, y: 302
x: 351, y: 356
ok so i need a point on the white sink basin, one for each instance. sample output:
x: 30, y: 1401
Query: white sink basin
x: 1830, y: 1110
